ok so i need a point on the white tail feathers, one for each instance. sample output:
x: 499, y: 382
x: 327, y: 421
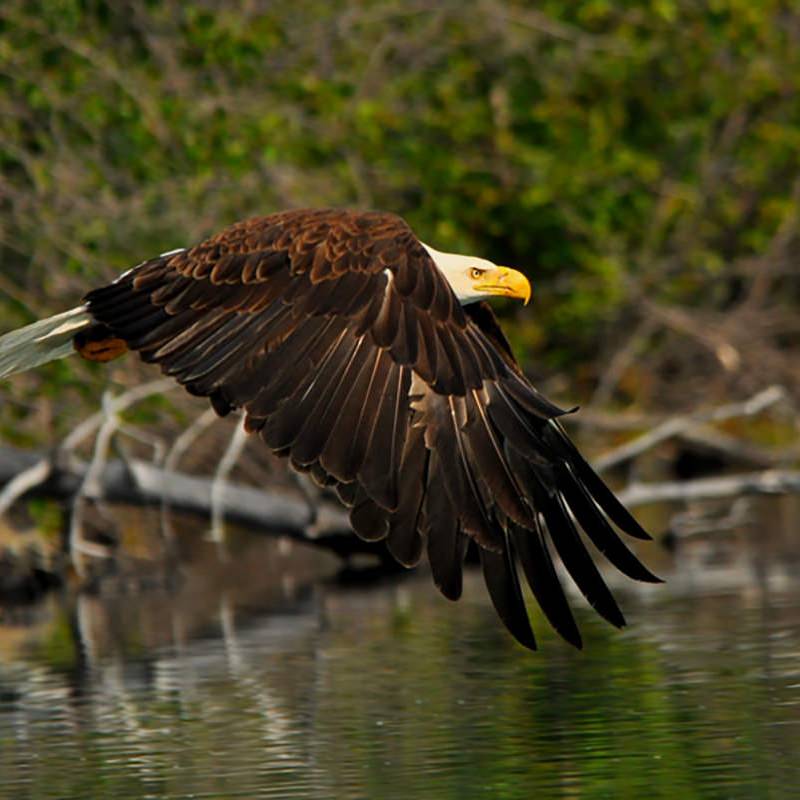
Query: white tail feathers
x: 42, y: 341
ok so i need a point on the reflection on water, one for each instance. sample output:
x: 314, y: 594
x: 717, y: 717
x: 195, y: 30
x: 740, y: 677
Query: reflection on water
x: 262, y: 676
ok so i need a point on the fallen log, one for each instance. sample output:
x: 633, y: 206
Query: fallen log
x: 324, y: 524
x: 142, y: 483
x: 772, y: 481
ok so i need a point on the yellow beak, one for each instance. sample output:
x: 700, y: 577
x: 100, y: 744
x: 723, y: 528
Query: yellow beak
x: 505, y: 282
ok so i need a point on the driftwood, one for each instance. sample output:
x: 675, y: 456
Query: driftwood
x: 142, y: 483
x: 319, y: 520
x: 683, y: 425
x: 327, y: 525
x: 768, y: 482
x: 100, y: 424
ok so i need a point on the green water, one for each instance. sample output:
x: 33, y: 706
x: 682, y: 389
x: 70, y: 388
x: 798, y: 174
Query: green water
x: 263, y: 676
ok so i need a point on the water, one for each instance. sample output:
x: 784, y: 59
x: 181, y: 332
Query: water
x: 262, y: 676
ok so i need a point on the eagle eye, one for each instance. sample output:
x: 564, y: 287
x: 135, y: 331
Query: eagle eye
x: 476, y: 273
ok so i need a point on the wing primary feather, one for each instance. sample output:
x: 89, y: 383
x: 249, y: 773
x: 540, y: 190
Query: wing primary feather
x: 378, y: 473
x: 578, y: 562
x: 213, y: 348
x: 441, y: 522
x: 405, y: 275
x: 451, y: 382
x: 492, y: 464
x: 284, y: 424
x: 202, y: 333
x: 347, y: 493
x: 530, y: 398
x: 604, y: 497
x: 204, y: 375
x: 426, y: 362
x: 341, y: 456
x: 423, y: 290
x: 370, y: 311
x: 537, y: 564
x: 405, y: 541
x: 491, y: 364
x: 368, y: 519
x: 597, y: 528
x: 468, y: 359
x: 399, y: 424
x: 149, y: 332
x: 443, y: 435
x: 312, y: 439
x: 513, y: 424
x: 405, y: 348
x: 500, y: 575
x: 366, y: 412
x: 485, y: 530
x: 276, y: 375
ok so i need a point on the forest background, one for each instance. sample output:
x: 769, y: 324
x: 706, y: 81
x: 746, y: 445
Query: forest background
x: 639, y: 161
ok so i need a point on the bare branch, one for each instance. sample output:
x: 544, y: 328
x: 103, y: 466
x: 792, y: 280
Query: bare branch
x: 681, y: 321
x: 534, y: 20
x: 765, y: 268
x: 116, y: 405
x: 734, y: 449
x: 23, y: 482
x: 38, y: 472
x: 769, y: 482
x: 142, y: 483
x: 180, y: 447
x: 696, y: 522
x: 621, y: 361
x: 219, y: 482
x: 188, y: 437
x: 90, y: 486
x: 79, y: 545
x: 678, y: 425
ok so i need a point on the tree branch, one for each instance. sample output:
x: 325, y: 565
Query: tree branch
x: 769, y: 482
x: 40, y: 470
x: 142, y: 483
x: 678, y: 425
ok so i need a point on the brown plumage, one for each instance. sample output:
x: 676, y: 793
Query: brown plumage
x: 347, y: 351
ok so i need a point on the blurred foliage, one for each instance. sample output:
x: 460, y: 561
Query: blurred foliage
x: 638, y: 160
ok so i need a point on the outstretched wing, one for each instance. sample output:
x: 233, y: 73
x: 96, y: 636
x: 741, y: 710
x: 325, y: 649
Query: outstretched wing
x: 348, y: 353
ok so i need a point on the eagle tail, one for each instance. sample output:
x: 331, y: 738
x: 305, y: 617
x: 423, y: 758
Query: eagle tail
x: 42, y: 341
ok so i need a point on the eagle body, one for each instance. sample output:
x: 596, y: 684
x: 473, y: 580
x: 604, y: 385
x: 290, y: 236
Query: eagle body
x: 343, y: 342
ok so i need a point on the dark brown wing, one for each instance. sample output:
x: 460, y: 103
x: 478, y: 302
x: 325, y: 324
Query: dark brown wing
x: 347, y: 351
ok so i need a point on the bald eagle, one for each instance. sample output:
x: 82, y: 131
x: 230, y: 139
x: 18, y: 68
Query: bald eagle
x: 371, y: 361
